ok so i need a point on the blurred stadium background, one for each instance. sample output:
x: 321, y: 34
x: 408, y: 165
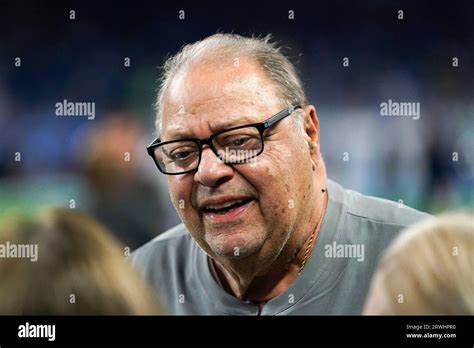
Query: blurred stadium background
x: 73, y: 160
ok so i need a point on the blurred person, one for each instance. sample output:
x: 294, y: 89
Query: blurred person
x: 265, y: 232
x: 121, y: 197
x: 428, y: 270
x: 64, y: 263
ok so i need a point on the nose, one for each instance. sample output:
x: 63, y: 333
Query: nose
x: 212, y: 171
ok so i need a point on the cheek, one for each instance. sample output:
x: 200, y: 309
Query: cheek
x: 289, y: 157
x: 272, y: 178
x: 180, y: 189
x: 281, y: 176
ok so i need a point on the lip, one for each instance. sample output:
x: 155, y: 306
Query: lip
x: 220, y: 200
x: 229, y: 216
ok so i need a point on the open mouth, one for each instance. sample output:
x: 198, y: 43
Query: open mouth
x: 226, y: 207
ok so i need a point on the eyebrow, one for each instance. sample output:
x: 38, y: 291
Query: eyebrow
x: 240, y: 121
x: 235, y: 122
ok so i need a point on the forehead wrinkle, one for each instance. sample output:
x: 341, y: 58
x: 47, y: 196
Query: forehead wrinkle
x: 252, y: 90
x: 232, y: 122
x: 219, y: 107
x: 248, y: 81
x: 176, y: 131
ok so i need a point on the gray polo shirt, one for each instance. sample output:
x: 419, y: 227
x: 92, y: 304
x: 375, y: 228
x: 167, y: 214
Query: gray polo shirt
x: 355, y: 231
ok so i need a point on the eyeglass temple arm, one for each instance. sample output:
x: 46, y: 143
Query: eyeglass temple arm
x: 282, y: 114
x: 156, y: 141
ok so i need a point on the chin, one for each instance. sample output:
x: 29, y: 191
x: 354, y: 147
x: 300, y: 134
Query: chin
x: 233, y: 246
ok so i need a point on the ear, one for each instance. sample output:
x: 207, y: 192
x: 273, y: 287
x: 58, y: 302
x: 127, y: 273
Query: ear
x: 311, y: 127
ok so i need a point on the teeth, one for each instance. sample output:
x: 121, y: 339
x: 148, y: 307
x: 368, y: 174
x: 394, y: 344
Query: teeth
x: 223, y: 205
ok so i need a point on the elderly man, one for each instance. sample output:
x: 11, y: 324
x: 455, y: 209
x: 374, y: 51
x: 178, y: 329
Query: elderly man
x: 265, y: 232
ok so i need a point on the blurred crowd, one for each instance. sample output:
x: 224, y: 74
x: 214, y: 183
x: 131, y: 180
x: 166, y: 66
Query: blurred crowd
x: 100, y: 166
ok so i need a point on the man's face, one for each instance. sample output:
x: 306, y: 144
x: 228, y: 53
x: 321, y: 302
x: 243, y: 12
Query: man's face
x: 264, y: 196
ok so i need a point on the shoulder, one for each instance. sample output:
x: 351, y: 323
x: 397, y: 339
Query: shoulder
x: 374, y: 209
x: 371, y: 220
x: 381, y: 211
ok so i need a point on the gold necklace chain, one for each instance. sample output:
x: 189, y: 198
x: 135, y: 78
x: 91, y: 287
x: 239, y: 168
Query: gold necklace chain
x: 310, y: 244
x: 308, y: 249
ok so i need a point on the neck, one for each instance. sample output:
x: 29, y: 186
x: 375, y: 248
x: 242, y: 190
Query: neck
x: 257, y: 279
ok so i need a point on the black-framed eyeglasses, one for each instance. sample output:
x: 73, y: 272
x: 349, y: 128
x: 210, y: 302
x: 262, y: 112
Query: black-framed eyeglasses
x: 232, y: 146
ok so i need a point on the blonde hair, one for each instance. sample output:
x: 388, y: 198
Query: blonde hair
x: 428, y: 270
x: 80, y: 269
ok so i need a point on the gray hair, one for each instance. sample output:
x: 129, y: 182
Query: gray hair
x: 262, y: 50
